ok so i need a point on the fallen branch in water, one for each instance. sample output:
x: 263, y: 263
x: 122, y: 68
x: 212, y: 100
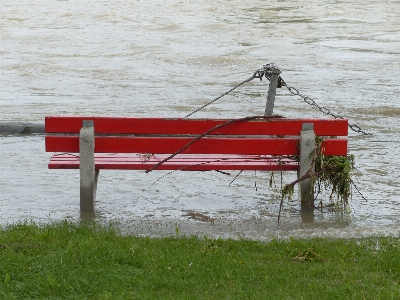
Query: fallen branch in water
x: 331, y: 173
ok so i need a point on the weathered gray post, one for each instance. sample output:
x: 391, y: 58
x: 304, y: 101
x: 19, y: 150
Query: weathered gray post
x: 88, y: 174
x: 273, y: 83
x: 307, y: 151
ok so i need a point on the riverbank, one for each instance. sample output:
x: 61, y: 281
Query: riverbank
x: 66, y: 260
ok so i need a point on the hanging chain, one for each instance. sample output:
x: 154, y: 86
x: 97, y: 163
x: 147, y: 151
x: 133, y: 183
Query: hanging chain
x: 322, y: 109
x: 266, y: 71
x: 224, y: 94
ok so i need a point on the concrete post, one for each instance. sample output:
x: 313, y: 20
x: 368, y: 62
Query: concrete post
x: 88, y: 174
x: 273, y: 83
x: 307, y: 151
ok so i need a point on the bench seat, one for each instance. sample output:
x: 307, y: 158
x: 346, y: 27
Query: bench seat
x: 137, y: 161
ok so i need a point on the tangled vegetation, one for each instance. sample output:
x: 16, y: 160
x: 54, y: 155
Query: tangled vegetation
x: 332, y: 174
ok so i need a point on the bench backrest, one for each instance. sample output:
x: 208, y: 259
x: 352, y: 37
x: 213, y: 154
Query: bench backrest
x: 271, y: 136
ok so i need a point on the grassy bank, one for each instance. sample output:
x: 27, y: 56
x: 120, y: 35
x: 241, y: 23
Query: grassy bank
x: 67, y: 261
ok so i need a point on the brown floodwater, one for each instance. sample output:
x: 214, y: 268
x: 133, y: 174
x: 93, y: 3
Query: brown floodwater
x: 165, y: 59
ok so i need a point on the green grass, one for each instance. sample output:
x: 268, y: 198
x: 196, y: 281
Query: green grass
x: 68, y: 261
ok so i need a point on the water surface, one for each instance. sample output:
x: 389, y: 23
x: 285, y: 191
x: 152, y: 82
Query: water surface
x: 167, y: 58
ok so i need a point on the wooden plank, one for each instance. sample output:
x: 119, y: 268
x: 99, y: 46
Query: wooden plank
x: 332, y: 147
x: 153, y: 159
x: 180, y: 162
x: 136, y: 157
x: 268, y: 126
x: 172, y: 144
x: 169, y: 145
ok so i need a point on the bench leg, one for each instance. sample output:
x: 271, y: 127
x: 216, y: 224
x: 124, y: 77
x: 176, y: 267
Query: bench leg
x: 88, y: 174
x: 307, y: 149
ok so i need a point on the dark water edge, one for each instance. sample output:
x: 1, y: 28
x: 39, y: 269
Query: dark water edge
x: 21, y: 128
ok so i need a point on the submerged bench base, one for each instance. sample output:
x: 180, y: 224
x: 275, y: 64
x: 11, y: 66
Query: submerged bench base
x: 259, y: 143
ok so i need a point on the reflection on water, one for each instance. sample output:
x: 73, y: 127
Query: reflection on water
x: 145, y: 59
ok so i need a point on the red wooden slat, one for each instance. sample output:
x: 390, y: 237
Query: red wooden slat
x: 169, y: 145
x: 331, y: 147
x: 184, y: 167
x: 152, y: 159
x: 159, y: 157
x: 184, y: 163
x: 173, y: 144
x: 270, y: 126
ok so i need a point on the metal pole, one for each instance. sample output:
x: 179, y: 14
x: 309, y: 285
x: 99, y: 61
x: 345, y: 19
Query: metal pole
x: 88, y: 174
x: 273, y: 83
x: 307, y: 152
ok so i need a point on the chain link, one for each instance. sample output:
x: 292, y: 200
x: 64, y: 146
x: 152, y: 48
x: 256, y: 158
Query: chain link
x: 224, y: 94
x: 266, y: 71
x: 322, y: 109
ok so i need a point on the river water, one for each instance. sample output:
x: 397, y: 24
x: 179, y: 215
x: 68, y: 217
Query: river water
x: 167, y: 58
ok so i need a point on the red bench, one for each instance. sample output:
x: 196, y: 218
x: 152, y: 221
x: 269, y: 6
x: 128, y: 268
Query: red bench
x: 118, y: 143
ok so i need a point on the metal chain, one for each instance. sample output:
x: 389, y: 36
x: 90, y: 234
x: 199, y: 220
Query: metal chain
x: 224, y: 94
x: 322, y: 109
x: 265, y: 71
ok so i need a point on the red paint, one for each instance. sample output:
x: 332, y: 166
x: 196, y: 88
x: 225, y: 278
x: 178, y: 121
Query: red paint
x: 165, y: 145
x: 220, y: 150
x: 270, y: 126
x: 179, y: 162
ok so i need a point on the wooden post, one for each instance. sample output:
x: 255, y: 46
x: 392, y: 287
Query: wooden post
x: 307, y: 151
x: 88, y: 174
x: 273, y: 83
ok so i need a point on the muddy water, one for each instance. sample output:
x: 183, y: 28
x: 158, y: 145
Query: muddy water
x: 166, y: 58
